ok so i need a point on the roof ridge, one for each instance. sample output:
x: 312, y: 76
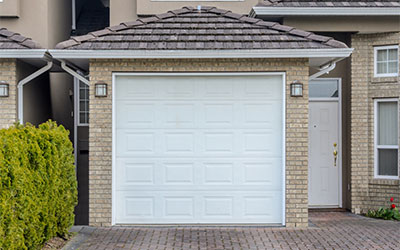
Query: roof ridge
x: 19, y: 39
x: 283, y: 29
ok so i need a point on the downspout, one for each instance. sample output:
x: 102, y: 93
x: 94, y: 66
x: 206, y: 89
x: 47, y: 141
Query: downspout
x: 21, y: 89
x: 72, y: 72
x: 325, y: 69
x: 73, y: 7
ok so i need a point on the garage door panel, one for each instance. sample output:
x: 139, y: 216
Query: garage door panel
x: 208, y: 207
x: 198, y: 174
x: 198, y: 149
x: 141, y: 115
x: 208, y: 115
x: 179, y: 173
x: 195, y: 143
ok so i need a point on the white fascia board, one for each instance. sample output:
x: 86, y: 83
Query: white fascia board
x: 323, y: 11
x: 23, y: 53
x: 152, y: 54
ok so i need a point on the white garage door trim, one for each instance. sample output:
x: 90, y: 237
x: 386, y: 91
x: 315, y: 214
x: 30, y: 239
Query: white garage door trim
x: 282, y: 74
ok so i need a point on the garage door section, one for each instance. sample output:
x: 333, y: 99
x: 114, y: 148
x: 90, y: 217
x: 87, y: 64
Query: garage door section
x: 198, y: 149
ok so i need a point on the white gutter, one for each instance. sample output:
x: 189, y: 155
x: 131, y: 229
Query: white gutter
x: 322, y: 11
x: 23, y: 53
x: 73, y: 7
x: 324, y: 69
x: 72, y: 72
x: 136, y: 54
x: 21, y: 89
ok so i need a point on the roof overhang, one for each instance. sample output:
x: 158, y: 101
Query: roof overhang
x: 324, y: 11
x: 23, y: 53
x: 36, y: 57
x: 317, y: 57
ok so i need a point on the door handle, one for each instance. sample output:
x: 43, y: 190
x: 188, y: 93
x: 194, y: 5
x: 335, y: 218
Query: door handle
x: 335, y: 153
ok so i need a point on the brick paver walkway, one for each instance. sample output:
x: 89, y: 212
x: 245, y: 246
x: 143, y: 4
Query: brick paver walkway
x: 328, y: 230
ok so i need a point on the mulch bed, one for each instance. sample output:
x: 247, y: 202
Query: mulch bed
x: 57, y: 242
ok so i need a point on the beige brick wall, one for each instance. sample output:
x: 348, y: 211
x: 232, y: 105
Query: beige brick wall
x: 8, y: 105
x: 367, y: 192
x: 100, y: 130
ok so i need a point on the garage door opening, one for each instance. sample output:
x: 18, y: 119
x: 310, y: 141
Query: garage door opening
x: 198, y: 148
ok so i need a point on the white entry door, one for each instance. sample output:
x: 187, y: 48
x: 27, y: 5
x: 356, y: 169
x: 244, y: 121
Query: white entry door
x: 198, y: 148
x: 324, y: 166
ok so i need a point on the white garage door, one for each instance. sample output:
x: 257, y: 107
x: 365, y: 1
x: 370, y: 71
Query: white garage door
x: 198, y: 149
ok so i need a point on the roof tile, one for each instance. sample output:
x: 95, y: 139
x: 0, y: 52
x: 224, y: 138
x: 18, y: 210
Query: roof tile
x: 232, y: 15
x: 101, y: 32
x: 282, y: 28
x: 12, y: 40
x: 149, y: 19
x: 117, y: 27
x: 165, y: 15
x: 318, y: 38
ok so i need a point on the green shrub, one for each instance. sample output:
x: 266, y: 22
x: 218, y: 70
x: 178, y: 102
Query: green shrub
x: 389, y: 213
x: 38, y: 188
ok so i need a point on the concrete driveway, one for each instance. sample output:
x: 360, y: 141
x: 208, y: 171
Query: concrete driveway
x: 327, y: 230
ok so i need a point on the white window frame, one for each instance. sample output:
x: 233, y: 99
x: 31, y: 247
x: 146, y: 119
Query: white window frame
x: 78, y: 101
x: 376, y: 146
x: 376, y: 49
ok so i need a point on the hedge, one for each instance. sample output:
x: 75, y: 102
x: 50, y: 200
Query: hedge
x: 38, y: 188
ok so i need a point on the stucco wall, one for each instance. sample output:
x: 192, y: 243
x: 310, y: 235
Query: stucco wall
x: 129, y: 10
x: 8, y: 105
x: 367, y: 192
x: 59, y: 21
x: 100, y: 130
x: 48, y: 22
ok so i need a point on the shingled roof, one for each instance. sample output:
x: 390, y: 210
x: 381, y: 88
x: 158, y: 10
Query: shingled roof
x: 12, y: 40
x: 207, y: 29
x: 330, y: 3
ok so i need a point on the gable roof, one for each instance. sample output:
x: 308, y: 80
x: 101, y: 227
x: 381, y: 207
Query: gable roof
x: 12, y: 40
x: 208, y: 29
x: 330, y: 3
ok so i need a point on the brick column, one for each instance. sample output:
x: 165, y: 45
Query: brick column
x: 8, y: 105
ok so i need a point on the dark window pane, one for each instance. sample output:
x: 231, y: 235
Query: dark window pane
x: 388, y: 162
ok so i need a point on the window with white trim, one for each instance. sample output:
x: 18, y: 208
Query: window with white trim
x: 386, y: 62
x: 386, y: 138
x: 83, y: 104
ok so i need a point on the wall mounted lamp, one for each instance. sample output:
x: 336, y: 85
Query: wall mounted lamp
x: 100, y: 89
x: 4, y: 89
x: 296, y: 89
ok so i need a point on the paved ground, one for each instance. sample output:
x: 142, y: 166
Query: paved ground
x: 328, y: 230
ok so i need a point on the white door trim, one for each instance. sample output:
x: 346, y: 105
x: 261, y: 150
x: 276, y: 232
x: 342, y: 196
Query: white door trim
x: 76, y: 111
x: 282, y: 74
x: 339, y: 100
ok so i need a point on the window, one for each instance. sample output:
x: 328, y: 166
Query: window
x: 323, y: 88
x: 386, y: 138
x: 83, y: 104
x: 386, y: 61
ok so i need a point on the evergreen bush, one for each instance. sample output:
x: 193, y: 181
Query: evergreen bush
x: 38, y: 188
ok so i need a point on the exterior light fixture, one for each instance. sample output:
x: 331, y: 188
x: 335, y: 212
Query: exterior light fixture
x: 100, y: 89
x: 4, y: 89
x: 296, y: 89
